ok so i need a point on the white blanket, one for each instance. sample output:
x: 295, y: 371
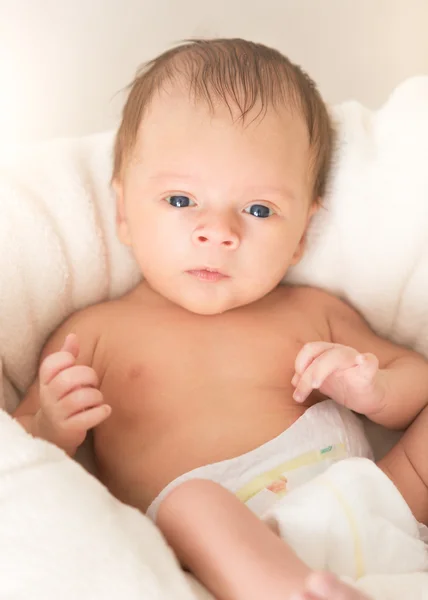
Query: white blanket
x: 58, y: 252
x: 63, y: 536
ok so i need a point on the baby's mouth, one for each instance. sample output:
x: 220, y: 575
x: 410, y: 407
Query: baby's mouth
x: 207, y: 274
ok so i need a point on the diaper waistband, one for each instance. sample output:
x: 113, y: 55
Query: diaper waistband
x: 324, y: 434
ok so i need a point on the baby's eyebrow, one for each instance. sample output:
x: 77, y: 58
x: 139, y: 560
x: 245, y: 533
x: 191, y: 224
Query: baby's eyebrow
x: 273, y: 190
x: 256, y: 191
x: 171, y: 175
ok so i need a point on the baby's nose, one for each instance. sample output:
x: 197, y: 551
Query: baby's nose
x: 216, y: 236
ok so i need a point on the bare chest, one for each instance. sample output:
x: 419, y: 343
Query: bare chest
x: 169, y: 361
x: 213, y: 388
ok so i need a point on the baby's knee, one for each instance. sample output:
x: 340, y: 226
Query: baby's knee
x: 194, y: 490
x: 189, y: 499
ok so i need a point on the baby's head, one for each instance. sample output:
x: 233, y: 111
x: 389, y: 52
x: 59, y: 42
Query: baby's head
x: 220, y: 160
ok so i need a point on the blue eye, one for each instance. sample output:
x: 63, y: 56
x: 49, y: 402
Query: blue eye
x: 180, y: 201
x: 260, y: 211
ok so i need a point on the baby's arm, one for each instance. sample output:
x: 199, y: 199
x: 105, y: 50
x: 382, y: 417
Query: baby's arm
x: 356, y: 367
x: 402, y: 374
x: 64, y: 402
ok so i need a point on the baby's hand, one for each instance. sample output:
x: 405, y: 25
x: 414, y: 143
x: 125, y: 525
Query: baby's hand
x: 341, y: 373
x: 70, y: 401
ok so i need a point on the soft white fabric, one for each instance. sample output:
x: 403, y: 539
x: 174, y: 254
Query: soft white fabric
x: 58, y: 248
x: 352, y: 521
x: 370, y: 243
x: 325, y: 433
x: 58, y: 253
x: 63, y: 536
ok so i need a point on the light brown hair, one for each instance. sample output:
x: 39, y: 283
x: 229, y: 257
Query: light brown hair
x: 240, y: 74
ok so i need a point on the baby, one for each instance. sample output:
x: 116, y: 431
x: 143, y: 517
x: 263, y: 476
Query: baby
x: 208, y: 366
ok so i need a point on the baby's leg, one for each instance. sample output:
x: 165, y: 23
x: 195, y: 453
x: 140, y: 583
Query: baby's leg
x: 232, y: 552
x: 324, y: 586
x: 407, y: 466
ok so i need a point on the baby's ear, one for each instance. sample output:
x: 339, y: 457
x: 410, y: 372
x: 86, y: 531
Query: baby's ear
x: 314, y: 208
x: 122, y: 230
x: 302, y: 243
x: 2, y: 401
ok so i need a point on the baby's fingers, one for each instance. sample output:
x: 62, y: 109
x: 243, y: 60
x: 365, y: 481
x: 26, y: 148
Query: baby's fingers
x: 308, y: 353
x: 73, y: 378
x: 338, y: 357
x: 368, y: 365
x: 71, y: 344
x: 54, y: 364
x: 88, y: 419
x: 78, y: 401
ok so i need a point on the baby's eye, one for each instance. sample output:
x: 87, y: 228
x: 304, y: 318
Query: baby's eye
x: 260, y: 211
x: 180, y: 201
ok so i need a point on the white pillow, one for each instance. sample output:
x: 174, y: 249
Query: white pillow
x: 370, y: 244
x: 58, y: 248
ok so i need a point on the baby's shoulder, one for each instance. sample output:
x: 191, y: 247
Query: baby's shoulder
x: 87, y: 324
x: 311, y: 299
x: 327, y: 308
x: 313, y: 306
x: 92, y: 318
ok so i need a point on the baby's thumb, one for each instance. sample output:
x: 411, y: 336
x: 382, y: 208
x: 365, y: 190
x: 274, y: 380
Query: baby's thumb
x: 71, y: 344
x: 369, y: 363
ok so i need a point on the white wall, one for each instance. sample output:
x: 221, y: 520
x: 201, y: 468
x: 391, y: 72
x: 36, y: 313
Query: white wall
x: 63, y: 61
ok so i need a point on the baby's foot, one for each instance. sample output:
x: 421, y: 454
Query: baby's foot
x: 325, y: 586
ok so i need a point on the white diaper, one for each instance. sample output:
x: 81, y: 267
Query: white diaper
x: 351, y: 520
x: 323, y: 435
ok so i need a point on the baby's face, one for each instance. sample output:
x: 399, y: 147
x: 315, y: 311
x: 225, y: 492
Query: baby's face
x: 215, y: 211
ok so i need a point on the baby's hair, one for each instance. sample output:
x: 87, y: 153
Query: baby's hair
x: 240, y: 74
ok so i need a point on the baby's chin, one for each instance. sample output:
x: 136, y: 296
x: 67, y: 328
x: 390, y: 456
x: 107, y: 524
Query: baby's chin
x: 206, y: 304
x: 207, y: 308
x: 217, y: 305
x: 203, y: 299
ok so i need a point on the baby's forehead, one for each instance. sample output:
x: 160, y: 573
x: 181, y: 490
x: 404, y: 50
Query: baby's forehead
x: 184, y: 131
x: 227, y: 155
x: 176, y: 104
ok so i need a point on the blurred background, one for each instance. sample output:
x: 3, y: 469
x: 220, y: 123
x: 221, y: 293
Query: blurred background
x: 63, y: 63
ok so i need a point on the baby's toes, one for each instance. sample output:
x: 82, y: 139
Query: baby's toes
x: 325, y: 586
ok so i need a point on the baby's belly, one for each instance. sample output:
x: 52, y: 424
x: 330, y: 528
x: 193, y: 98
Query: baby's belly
x: 137, y: 457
